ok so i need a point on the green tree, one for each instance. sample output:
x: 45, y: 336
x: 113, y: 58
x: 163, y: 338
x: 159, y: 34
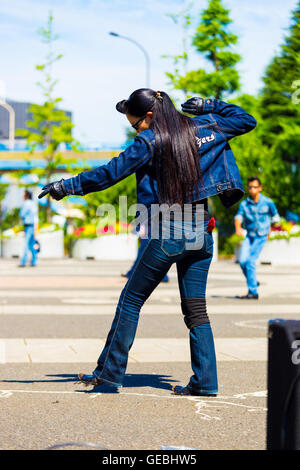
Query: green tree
x: 130, y: 135
x: 213, y: 40
x: 126, y: 187
x: 255, y: 158
x: 280, y: 111
x: 280, y: 107
x: 252, y: 158
x: 180, y: 61
x: 49, y: 127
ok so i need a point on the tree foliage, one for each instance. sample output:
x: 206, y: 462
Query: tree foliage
x: 272, y: 150
x: 180, y: 61
x: 126, y: 187
x: 280, y: 124
x: 49, y: 127
x: 213, y: 40
x: 280, y: 105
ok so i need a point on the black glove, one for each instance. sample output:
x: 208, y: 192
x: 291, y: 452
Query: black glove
x: 56, y: 189
x: 193, y: 106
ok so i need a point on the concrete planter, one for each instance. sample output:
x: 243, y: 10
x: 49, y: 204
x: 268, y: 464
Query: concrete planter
x: 52, y: 245
x: 278, y: 252
x: 114, y: 247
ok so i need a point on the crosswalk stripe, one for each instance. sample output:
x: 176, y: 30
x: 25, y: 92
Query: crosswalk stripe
x: 80, y: 350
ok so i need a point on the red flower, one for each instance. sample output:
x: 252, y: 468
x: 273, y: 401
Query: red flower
x: 277, y: 228
x: 78, y: 231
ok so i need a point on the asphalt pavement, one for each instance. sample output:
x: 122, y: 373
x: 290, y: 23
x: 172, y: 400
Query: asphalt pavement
x: 54, y: 321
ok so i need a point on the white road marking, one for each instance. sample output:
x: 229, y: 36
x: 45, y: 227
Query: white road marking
x: 262, y: 394
x: 201, y: 404
x: 206, y: 405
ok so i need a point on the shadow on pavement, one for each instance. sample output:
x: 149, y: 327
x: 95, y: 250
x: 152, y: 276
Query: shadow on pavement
x: 130, y: 381
x: 65, y: 378
x: 133, y: 381
x: 148, y: 380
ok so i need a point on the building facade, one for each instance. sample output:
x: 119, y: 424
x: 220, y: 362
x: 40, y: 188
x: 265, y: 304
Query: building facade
x: 21, y: 116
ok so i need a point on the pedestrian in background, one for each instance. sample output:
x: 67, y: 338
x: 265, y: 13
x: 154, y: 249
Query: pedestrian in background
x: 29, y: 217
x: 256, y: 214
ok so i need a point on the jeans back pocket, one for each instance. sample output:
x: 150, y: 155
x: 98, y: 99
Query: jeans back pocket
x: 203, y: 243
x: 173, y: 247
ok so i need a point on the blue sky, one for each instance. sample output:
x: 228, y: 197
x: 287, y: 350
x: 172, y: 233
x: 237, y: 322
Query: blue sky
x: 98, y: 70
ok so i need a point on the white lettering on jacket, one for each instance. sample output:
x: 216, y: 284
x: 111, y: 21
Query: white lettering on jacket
x: 204, y: 140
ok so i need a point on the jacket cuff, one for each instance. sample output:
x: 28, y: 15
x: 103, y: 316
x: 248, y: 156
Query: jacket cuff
x: 208, y: 105
x: 73, y: 186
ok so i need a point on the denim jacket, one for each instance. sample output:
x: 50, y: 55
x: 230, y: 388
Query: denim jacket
x: 218, y: 123
x: 257, y: 217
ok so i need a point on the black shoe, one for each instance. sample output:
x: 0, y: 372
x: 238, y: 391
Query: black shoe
x: 21, y: 265
x: 248, y: 296
x: 89, y: 379
x: 178, y: 390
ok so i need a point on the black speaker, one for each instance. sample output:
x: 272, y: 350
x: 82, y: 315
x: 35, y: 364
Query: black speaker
x: 283, y: 419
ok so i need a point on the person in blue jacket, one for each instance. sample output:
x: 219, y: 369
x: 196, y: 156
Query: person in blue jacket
x: 255, y: 214
x: 29, y: 216
x: 178, y: 161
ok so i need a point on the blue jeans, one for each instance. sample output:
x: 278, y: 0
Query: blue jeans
x: 192, y: 268
x: 142, y: 246
x: 250, y: 251
x: 29, y: 246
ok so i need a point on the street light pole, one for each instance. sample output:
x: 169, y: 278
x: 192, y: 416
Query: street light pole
x: 144, y: 52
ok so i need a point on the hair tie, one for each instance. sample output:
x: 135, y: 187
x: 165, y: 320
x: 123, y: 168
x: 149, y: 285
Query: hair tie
x: 158, y: 96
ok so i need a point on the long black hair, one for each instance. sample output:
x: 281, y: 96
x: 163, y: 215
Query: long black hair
x: 176, y: 153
